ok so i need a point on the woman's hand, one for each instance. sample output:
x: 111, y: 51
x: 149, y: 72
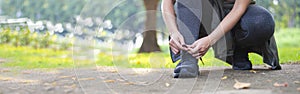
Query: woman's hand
x: 199, y: 47
x: 176, y: 42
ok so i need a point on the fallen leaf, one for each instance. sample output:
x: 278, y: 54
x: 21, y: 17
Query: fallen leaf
x: 28, y: 81
x: 109, y: 81
x: 224, y: 77
x: 5, y: 70
x: 269, y: 80
x: 63, y: 77
x: 113, y: 71
x: 48, y: 88
x: 280, y: 84
x: 296, y: 82
x: 54, y: 84
x: 47, y: 84
x: 26, y: 72
x: 129, y: 83
x: 71, y: 86
x: 121, y: 80
x: 50, y: 84
x: 74, y: 78
x: 240, y: 85
x: 5, y: 78
x: 85, y: 79
x: 68, y: 91
x: 167, y: 84
x: 298, y: 89
x: 253, y: 71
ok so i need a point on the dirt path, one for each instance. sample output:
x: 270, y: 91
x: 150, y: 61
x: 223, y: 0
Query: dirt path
x: 110, y: 80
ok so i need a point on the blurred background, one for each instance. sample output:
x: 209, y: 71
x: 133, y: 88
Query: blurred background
x: 82, y: 33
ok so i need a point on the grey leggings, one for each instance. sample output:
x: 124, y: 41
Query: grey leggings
x: 254, y: 28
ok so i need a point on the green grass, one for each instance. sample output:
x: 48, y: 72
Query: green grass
x: 287, y: 41
x: 28, y: 57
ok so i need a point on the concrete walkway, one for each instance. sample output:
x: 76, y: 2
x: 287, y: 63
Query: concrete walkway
x: 112, y: 80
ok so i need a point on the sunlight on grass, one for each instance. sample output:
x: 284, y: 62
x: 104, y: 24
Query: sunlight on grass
x: 28, y: 57
x: 145, y: 60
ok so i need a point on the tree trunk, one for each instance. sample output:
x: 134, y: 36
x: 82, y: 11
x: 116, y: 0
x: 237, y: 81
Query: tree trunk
x: 150, y: 39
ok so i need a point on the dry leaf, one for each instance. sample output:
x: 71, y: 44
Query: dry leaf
x: 71, y: 86
x: 129, y: 83
x: 28, y: 81
x: 5, y: 70
x: 54, y: 84
x: 109, y: 81
x: 5, y: 78
x: 85, y: 79
x: 280, y: 84
x: 113, y: 71
x: 253, y: 71
x: 240, y: 85
x: 167, y: 84
x: 50, y: 84
x: 74, y: 78
x: 298, y: 89
x: 46, y: 84
x: 121, y: 80
x: 224, y: 77
x: 63, y: 77
x: 269, y: 80
x: 26, y: 72
x: 296, y: 82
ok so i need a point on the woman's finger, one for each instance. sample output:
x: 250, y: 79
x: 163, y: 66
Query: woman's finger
x: 179, y: 43
x: 196, y: 54
x: 173, y: 44
x: 174, y: 51
x: 195, y: 50
x: 174, y: 48
x: 203, y: 52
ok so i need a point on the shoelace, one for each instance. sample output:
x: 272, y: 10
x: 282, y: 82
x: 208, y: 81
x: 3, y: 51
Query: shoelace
x: 200, y: 57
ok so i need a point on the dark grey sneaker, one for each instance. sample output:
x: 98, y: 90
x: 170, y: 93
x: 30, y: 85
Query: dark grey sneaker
x: 241, y: 60
x: 186, y: 69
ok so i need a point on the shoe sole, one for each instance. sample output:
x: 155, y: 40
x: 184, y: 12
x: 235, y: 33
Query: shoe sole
x: 185, y: 74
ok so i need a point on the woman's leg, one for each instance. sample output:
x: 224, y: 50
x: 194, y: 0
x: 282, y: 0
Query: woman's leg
x: 188, y: 22
x: 257, y: 26
x: 254, y: 34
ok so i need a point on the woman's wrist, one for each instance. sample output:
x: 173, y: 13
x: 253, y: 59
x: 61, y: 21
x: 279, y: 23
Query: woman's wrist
x: 212, y: 40
x: 174, y: 32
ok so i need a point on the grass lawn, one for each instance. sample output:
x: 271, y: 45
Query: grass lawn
x: 27, y: 57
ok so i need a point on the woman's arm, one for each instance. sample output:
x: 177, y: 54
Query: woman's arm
x: 169, y: 16
x: 200, y: 47
x: 239, y: 8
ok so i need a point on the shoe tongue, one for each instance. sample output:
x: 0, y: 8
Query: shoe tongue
x: 186, y: 57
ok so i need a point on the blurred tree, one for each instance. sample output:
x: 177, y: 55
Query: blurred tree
x: 150, y: 39
x: 286, y: 12
x: 56, y: 11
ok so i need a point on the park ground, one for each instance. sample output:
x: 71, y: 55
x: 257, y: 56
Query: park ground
x: 26, y: 70
x: 113, y: 80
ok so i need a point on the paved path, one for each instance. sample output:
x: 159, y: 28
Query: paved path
x: 111, y: 80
